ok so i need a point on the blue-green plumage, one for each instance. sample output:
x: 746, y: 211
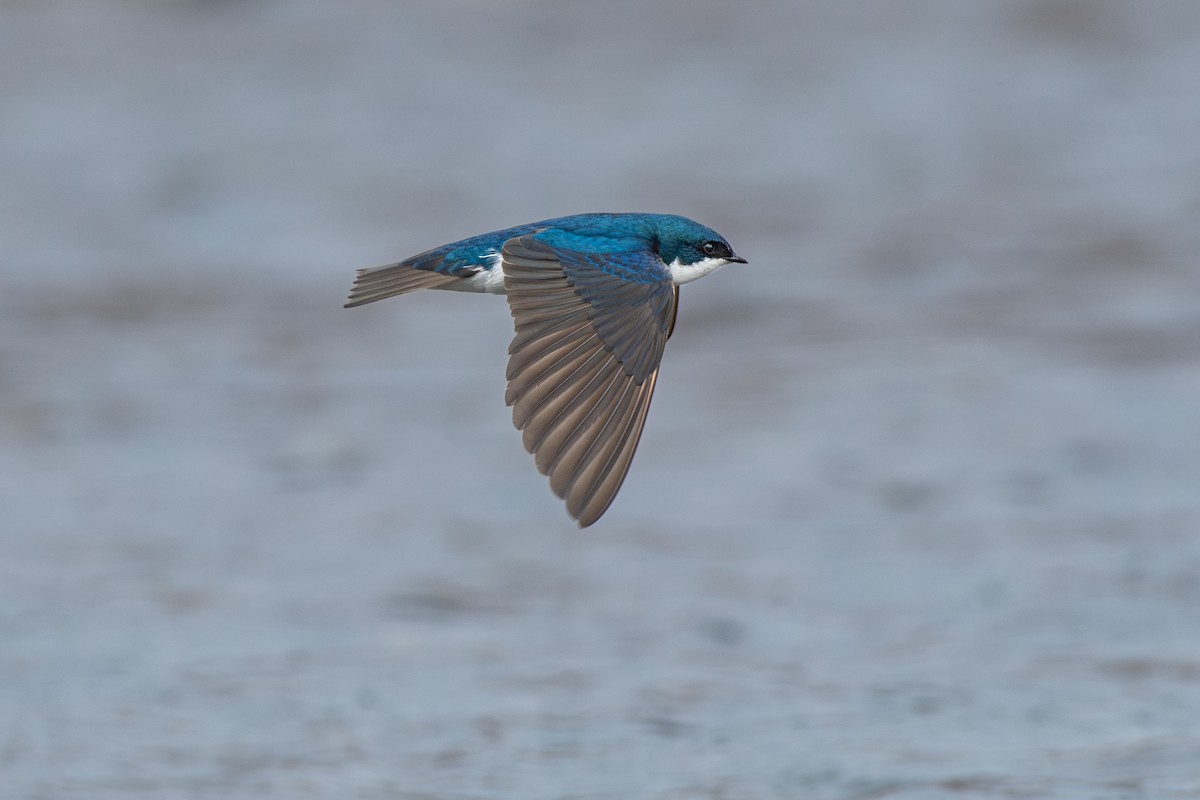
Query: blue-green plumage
x: 593, y: 299
x: 668, y: 236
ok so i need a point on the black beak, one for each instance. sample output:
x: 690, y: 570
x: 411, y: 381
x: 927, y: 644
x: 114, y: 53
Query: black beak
x: 734, y: 259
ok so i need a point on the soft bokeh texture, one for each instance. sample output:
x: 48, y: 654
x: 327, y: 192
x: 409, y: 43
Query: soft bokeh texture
x: 917, y: 511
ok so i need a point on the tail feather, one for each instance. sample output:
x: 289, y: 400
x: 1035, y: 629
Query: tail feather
x: 378, y: 283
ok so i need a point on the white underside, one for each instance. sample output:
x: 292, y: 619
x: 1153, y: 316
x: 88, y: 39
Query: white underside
x: 491, y: 278
x: 686, y: 273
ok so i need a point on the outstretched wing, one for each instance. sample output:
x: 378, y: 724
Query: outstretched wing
x: 590, y: 332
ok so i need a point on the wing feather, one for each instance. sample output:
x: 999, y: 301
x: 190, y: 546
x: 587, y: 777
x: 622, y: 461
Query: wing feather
x: 556, y: 387
x: 594, y: 498
x: 590, y: 434
x: 544, y: 420
x: 583, y: 362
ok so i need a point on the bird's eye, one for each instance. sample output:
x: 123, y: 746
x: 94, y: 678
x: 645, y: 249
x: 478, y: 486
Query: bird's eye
x: 716, y: 249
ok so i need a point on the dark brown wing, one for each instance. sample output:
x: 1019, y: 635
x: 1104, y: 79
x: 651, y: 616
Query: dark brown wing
x: 590, y: 332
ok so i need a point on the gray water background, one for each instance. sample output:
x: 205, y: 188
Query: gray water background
x: 917, y: 511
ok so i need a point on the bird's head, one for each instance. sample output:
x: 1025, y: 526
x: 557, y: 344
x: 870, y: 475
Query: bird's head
x: 691, y: 250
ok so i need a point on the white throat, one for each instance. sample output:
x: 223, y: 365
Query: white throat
x: 686, y: 273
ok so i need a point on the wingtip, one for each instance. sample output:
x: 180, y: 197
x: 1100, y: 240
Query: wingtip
x: 586, y: 518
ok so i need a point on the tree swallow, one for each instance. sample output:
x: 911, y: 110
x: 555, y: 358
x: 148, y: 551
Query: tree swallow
x: 593, y: 298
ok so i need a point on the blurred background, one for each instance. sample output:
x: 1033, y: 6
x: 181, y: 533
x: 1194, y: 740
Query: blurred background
x: 916, y: 513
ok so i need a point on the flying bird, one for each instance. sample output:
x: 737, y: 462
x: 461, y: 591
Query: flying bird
x: 593, y: 299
